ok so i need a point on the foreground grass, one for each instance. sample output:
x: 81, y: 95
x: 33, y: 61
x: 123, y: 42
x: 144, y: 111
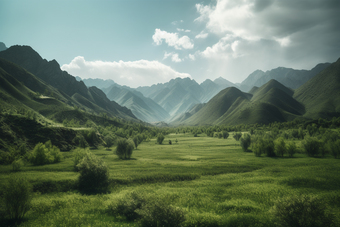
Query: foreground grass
x: 213, y: 180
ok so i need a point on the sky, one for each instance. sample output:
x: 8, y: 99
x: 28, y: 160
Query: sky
x: 144, y: 42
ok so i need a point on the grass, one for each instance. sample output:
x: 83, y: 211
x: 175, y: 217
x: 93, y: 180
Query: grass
x: 213, y: 180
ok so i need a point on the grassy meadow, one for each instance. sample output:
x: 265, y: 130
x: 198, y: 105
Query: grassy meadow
x: 212, y: 180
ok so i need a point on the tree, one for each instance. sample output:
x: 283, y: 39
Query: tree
x: 304, y: 211
x: 237, y: 136
x: 291, y: 149
x: 45, y: 154
x: 160, y: 138
x: 17, y: 195
x: 225, y: 134
x: 245, y: 141
x: 280, y: 147
x: 124, y: 148
x: 108, y: 141
x: 311, y: 146
x: 136, y: 141
x: 94, y: 174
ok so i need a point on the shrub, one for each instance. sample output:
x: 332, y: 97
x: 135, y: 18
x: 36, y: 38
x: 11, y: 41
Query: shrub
x: 264, y: 146
x: 311, y: 146
x: 225, y: 134
x: 94, y: 174
x: 127, y: 207
x: 280, y: 146
x: 17, y: 197
x: 160, y: 138
x: 245, y: 141
x: 79, y: 154
x: 237, y: 136
x: 334, y: 148
x: 158, y: 213
x: 108, y: 142
x: 124, y: 148
x: 304, y: 211
x: 17, y: 165
x: 136, y: 141
x: 291, y: 149
x: 45, y: 154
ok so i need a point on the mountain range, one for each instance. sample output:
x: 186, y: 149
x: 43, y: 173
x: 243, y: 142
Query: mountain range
x: 24, y: 73
x: 280, y: 94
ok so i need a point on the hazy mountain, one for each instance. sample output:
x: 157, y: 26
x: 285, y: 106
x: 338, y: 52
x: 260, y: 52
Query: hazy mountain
x: 51, y: 74
x: 99, y: 83
x: 291, y: 78
x: 321, y: 94
x: 143, y: 108
x: 2, y: 46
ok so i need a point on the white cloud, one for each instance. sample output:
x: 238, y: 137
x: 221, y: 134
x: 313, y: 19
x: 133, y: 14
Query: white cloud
x: 266, y: 19
x: 202, y: 35
x: 174, y: 57
x: 183, y: 30
x: 131, y: 73
x: 172, y: 39
x: 192, y: 57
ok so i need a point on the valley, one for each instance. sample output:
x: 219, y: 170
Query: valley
x: 93, y: 152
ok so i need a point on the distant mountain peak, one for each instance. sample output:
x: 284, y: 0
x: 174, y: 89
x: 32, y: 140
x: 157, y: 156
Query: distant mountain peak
x: 2, y: 46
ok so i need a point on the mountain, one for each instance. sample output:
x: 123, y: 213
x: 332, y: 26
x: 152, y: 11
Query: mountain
x: 178, y: 95
x: 268, y: 103
x: 99, y: 83
x: 75, y: 92
x: 291, y: 78
x: 2, y: 46
x: 321, y: 94
x: 216, y: 107
x: 143, y: 108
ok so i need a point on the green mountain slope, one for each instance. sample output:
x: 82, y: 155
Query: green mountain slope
x: 321, y: 94
x: 64, y: 85
x: 271, y: 102
x: 216, y: 107
x: 143, y: 108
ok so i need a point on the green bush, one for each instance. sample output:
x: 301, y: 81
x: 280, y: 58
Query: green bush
x: 225, y: 134
x: 79, y: 154
x: 264, y: 146
x: 245, y: 141
x: 124, y: 148
x: 304, y: 211
x: 94, y: 174
x: 17, y: 165
x: 237, y: 136
x: 17, y: 195
x: 45, y: 154
x: 291, y: 149
x: 334, y: 148
x: 280, y: 147
x: 108, y: 142
x: 160, y: 138
x: 157, y: 213
x: 311, y: 146
x: 127, y: 206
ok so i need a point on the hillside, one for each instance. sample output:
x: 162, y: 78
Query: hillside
x: 268, y: 103
x: 49, y: 73
x: 143, y: 108
x: 216, y: 107
x: 321, y: 94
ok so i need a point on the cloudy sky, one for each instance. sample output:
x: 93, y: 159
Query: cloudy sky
x: 143, y: 42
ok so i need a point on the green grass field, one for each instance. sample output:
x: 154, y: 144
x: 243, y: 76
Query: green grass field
x: 212, y: 180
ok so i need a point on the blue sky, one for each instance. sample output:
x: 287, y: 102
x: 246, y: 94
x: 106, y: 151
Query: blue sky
x: 142, y: 42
